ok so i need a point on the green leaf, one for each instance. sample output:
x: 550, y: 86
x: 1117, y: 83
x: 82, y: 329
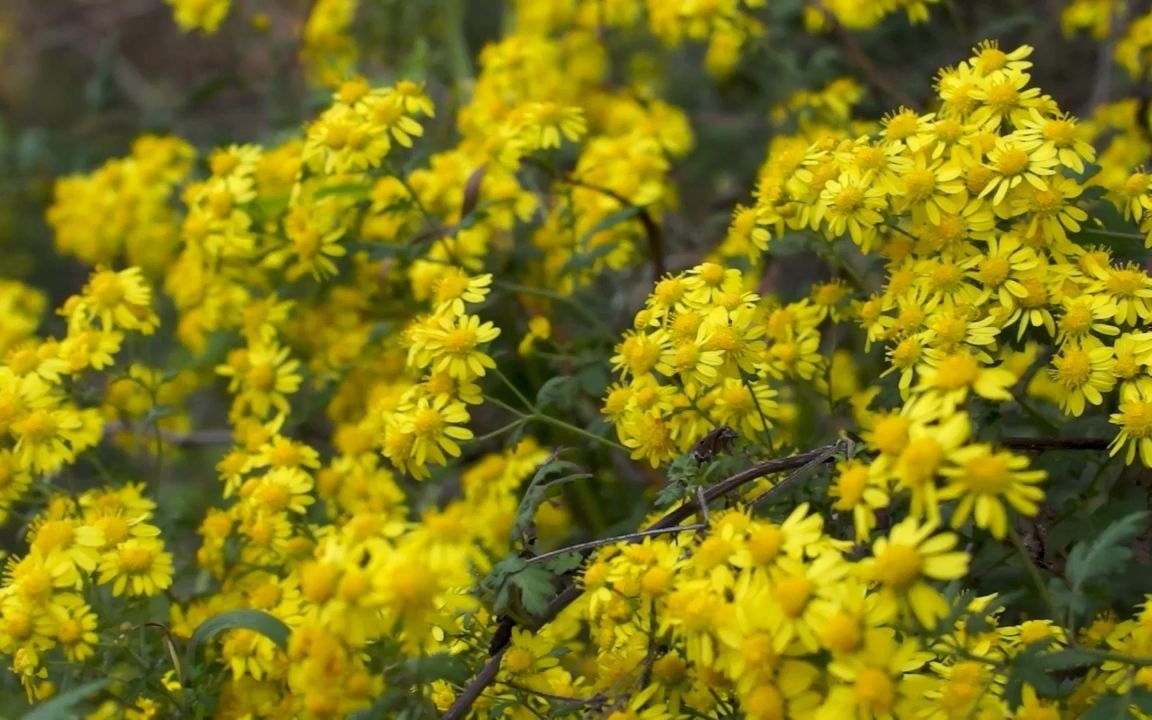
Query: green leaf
x: 1142, y: 698
x: 565, y: 562
x: 1109, y: 707
x: 541, y: 486
x: 63, y: 705
x: 558, y: 392
x: 536, y: 589
x: 1068, y: 659
x: 258, y: 621
x: 1106, y: 554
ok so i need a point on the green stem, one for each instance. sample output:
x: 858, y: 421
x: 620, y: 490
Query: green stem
x: 555, y: 422
x: 500, y: 430
x: 1112, y: 234
x: 1033, y: 572
x: 515, y: 390
x: 563, y: 299
x: 500, y: 403
x: 458, y: 56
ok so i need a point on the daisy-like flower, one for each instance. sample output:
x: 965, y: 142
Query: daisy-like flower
x: 76, y: 626
x: 929, y: 449
x: 906, y: 561
x: 953, y: 376
x: 451, y: 344
x: 455, y: 287
x: 1013, y: 163
x: 262, y: 376
x: 850, y: 203
x: 1127, y: 289
x: 435, y: 427
x: 1135, y: 421
x: 120, y: 300
x: 1083, y: 371
x: 874, y: 683
x: 137, y: 566
x: 984, y: 480
x: 855, y: 490
x: 546, y: 122
x: 385, y: 116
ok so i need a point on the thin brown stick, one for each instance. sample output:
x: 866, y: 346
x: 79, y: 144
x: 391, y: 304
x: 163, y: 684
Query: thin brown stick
x: 855, y: 52
x: 1042, y: 444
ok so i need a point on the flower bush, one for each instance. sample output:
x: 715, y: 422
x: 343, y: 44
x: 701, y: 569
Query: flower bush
x: 477, y: 432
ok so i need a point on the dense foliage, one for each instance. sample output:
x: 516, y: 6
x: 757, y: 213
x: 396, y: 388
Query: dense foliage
x: 432, y: 407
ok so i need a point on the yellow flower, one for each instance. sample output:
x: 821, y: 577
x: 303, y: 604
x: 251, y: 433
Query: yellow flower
x: 435, y: 427
x: 262, y: 376
x: 545, y: 122
x: 904, y: 562
x: 203, y: 15
x: 984, y: 479
x: 1013, y: 163
x: 853, y: 490
x: 119, y: 300
x: 851, y: 204
x: 137, y: 566
x: 450, y: 344
x: 952, y: 376
x: 1083, y: 371
x: 1135, y: 421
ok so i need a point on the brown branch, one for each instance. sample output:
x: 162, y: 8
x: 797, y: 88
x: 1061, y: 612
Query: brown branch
x: 475, y: 688
x: 872, y: 72
x: 671, y: 520
x: 1042, y: 444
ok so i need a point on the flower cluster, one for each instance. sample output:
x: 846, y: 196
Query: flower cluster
x: 102, y: 538
x: 356, y: 313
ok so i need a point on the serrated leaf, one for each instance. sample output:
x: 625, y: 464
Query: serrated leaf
x: 542, y: 484
x: 564, y: 562
x: 62, y: 706
x: 1028, y: 667
x: 257, y: 621
x: 592, y: 380
x: 536, y: 590
x: 1105, y: 554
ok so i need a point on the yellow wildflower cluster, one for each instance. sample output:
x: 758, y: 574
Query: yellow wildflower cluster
x: 367, y: 575
x: 100, y: 538
x: 972, y: 208
x: 775, y: 620
x: 704, y: 352
x: 353, y: 313
x: 123, y: 212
